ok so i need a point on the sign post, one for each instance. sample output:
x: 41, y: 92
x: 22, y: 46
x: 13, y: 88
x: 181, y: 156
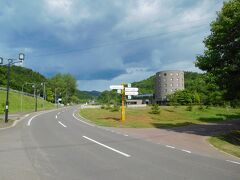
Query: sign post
x: 123, y: 105
x: 125, y: 91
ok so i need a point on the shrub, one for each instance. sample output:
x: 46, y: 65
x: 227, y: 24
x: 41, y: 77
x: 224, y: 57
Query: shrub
x: 155, y: 109
x: 189, y: 108
x: 115, y: 108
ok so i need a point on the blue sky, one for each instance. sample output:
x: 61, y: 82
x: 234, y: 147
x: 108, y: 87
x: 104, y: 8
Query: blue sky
x: 106, y: 42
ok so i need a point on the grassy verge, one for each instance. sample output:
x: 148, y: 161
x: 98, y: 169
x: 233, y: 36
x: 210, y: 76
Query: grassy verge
x: 169, y: 116
x: 229, y: 143
x: 28, y: 103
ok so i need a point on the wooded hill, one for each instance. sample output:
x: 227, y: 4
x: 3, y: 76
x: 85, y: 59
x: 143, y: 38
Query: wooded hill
x: 21, y: 75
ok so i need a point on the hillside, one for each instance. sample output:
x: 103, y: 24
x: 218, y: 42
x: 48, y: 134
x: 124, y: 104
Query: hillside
x: 146, y: 86
x: 28, y: 103
x: 20, y: 75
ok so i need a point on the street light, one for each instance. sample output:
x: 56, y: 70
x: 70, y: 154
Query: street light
x: 11, y: 62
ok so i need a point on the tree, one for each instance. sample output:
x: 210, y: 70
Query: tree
x: 221, y: 58
x: 65, y: 86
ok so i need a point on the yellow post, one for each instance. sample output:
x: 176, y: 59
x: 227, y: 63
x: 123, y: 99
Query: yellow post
x: 123, y: 105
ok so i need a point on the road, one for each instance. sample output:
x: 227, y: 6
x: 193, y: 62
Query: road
x: 57, y: 145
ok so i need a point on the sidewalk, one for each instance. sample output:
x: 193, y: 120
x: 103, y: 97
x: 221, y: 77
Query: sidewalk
x: 192, y: 137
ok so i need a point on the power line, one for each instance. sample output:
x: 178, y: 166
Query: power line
x: 112, y: 43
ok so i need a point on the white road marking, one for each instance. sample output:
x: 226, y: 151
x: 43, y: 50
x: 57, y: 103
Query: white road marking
x: 58, y: 113
x: 26, y: 115
x: 115, y: 150
x: 184, y: 150
x: 235, y: 162
x: 125, y: 135
x: 30, y: 120
x: 82, y: 120
x: 170, y: 146
x: 56, y: 116
x: 62, y: 124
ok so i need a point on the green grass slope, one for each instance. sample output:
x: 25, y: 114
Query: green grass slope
x: 28, y: 103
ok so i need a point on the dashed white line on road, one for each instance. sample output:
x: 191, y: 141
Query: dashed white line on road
x: 56, y: 116
x: 58, y: 113
x: 172, y: 147
x: 235, y: 162
x: 26, y: 115
x: 62, y: 124
x: 108, y: 147
x: 125, y: 135
x: 184, y: 150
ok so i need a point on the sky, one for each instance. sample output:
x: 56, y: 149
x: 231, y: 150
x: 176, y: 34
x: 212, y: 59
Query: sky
x: 106, y: 42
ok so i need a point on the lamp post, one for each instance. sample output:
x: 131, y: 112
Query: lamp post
x: 10, y: 62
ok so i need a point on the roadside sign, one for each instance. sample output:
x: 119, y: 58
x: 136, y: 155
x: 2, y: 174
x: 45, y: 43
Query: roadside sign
x: 116, y: 87
x: 129, y: 97
x: 131, y: 89
x: 131, y: 93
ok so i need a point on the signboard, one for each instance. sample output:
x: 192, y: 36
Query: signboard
x: 116, y: 87
x: 131, y: 93
x: 129, y: 97
x: 131, y: 89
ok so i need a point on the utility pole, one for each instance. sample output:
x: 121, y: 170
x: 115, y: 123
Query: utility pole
x: 35, y: 95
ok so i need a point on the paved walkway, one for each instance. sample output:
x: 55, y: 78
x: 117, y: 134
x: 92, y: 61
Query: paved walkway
x: 192, y: 138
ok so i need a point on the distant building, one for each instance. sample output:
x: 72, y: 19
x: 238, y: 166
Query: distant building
x: 167, y: 82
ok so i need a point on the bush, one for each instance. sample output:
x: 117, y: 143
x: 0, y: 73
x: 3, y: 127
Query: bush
x: 115, y: 108
x: 189, y: 108
x: 155, y: 109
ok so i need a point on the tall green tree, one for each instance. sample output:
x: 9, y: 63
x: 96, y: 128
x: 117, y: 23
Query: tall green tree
x: 221, y: 58
x: 65, y: 86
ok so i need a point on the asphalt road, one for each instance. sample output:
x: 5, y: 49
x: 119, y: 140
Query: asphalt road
x: 56, y: 146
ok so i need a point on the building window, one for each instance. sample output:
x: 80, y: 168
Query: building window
x: 171, y: 79
x: 164, y: 80
x: 171, y: 74
x: 165, y: 74
x: 177, y: 79
x: 177, y: 74
x: 165, y: 90
x: 165, y: 85
x: 159, y: 75
x: 177, y: 85
x: 171, y: 84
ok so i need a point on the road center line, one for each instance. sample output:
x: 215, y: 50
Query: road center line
x: 170, y: 146
x: 108, y: 147
x: 184, y: 150
x: 62, y: 124
x: 56, y: 116
x: 235, y: 162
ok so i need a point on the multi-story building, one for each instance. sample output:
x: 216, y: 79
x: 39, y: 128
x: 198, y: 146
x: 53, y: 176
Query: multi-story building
x: 167, y: 82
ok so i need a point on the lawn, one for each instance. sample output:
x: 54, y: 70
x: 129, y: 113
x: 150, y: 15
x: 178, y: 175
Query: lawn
x: 169, y: 116
x: 229, y: 143
x: 28, y: 103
